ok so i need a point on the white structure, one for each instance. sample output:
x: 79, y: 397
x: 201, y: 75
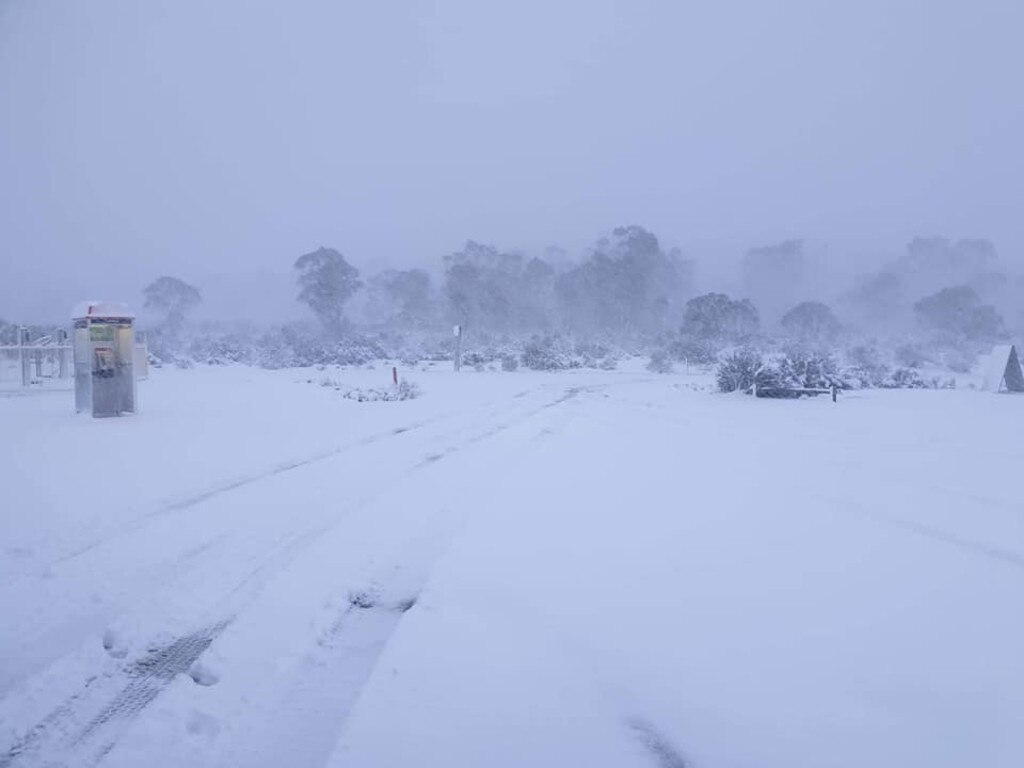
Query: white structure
x: 40, y: 361
x: 1002, y: 372
x: 104, y: 342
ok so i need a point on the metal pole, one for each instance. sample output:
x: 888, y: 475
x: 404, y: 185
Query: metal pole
x: 26, y: 374
x: 62, y: 354
x: 457, y: 330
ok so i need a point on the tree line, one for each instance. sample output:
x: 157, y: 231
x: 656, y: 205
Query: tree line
x: 630, y: 287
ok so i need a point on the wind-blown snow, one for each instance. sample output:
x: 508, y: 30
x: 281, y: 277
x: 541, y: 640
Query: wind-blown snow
x: 585, y: 568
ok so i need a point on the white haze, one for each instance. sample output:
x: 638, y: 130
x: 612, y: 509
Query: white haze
x: 219, y: 141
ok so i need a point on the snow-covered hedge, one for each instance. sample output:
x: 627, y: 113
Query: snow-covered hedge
x: 405, y: 390
x: 784, y: 373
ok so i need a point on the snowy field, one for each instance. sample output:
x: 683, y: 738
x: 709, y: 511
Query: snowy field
x: 516, y: 569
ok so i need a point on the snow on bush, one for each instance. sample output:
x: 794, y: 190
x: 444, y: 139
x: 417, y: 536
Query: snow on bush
x: 908, y: 378
x: 786, y: 373
x: 865, y: 367
x: 804, y: 369
x: 406, y: 390
x: 543, y: 354
x: 738, y: 371
x: 553, y: 353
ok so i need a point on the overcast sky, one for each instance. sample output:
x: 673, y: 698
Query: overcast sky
x: 217, y: 141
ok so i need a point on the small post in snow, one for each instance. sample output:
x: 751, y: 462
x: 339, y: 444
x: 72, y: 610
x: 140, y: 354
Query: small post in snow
x: 457, y: 333
x: 26, y: 369
x: 394, y: 375
x: 62, y: 358
x: 833, y: 393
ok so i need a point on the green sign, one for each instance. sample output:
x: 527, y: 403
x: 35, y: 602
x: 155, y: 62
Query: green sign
x: 101, y: 333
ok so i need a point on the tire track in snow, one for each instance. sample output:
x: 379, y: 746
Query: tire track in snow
x: 178, y: 565
x: 278, y: 469
x: 311, y: 704
x: 659, y: 747
x: 240, y: 482
x: 112, y: 697
x: 569, y: 394
x: 989, y: 551
x: 146, y: 677
x: 130, y: 688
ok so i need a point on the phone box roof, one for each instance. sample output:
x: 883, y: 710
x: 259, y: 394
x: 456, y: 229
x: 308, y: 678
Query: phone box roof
x: 112, y: 309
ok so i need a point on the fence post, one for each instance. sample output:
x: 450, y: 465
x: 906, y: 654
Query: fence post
x: 457, y: 332
x: 62, y: 358
x: 833, y: 393
x: 26, y: 373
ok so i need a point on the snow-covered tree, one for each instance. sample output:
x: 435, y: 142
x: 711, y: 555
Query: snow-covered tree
x: 401, y: 297
x: 628, y: 284
x: 958, y: 310
x: 326, y: 282
x: 812, y: 322
x: 716, y: 317
x: 173, y: 298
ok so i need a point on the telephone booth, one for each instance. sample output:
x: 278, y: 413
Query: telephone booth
x: 104, y: 348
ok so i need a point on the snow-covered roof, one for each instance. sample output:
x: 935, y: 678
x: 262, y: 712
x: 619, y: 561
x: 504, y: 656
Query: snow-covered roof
x: 86, y: 309
x: 993, y: 369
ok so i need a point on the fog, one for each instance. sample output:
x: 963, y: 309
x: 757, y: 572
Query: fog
x: 218, y: 142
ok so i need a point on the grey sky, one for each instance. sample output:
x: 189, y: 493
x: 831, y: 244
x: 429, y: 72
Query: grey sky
x: 217, y: 141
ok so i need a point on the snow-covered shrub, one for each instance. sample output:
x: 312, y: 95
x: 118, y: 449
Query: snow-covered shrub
x: 406, y: 390
x: 541, y: 354
x: 865, y: 367
x: 660, y: 362
x: 509, y: 363
x: 737, y: 371
x: 592, y: 349
x: 296, y: 346
x: 220, y: 349
x: 591, y: 354
x: 805, y: 369
x: 908, y: 378
x: 780, y: 375
x: 904, y: 378
x: 476, y: 359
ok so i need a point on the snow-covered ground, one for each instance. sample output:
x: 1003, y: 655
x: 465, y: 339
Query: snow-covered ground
x: 515, y: 569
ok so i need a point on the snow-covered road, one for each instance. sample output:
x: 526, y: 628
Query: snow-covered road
x: 588, y: 568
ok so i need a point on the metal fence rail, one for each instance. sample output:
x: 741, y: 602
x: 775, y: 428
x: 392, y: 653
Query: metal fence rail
x: 26, y: 364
